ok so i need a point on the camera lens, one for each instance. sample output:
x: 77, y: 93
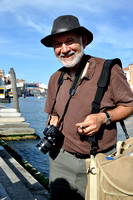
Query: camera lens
x: 45, y: 144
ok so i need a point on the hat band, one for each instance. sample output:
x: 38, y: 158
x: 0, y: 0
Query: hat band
x: 61, y: 30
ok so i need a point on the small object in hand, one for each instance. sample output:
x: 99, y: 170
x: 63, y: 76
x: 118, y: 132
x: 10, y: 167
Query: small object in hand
x: 82, y: 127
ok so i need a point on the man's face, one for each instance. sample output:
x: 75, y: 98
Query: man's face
x: 68, y: 48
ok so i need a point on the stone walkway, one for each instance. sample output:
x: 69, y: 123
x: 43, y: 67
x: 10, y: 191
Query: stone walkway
x: 16, y: 183
x: 13, y: 125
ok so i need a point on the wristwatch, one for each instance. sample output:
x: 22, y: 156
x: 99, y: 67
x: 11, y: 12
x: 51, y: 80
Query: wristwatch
x: 108, y: 119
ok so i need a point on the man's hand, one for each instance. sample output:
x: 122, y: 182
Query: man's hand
x: 91, y: 124
x: 54, y: 120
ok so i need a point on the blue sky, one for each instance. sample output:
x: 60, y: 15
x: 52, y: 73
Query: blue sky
x: 23, y: 23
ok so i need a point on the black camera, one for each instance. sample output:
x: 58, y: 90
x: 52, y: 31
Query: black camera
x: 51, y: 136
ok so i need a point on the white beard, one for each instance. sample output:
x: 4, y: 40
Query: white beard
x: 75, y: 60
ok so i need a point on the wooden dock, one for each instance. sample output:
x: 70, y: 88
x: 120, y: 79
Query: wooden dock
x: 13, y: 125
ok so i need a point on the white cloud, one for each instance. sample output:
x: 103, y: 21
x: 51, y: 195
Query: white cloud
x: 116, y: 36
x: 106, y: 6
x: 25, y: 11
x: 11, y: 5
x: 36, y: 16
x: 52, y: 5
x: 27, y: 21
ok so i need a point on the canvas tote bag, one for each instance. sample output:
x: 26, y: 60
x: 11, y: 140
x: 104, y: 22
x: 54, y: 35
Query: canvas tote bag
x: 111, y: 178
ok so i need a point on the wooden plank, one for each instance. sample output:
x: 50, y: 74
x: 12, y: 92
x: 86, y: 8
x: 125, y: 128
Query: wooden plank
x: 6, y: 125
x: 12, y: 119
x: 10, y: 114
x: 16, y: 131
x: 12, y: 125
x: 8, y: 110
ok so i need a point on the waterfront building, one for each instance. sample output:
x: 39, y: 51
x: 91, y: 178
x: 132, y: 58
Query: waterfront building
x: 129, y: 74
x: 2, y: 77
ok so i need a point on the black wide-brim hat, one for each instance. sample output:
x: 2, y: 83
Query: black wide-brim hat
x: 66, y: 23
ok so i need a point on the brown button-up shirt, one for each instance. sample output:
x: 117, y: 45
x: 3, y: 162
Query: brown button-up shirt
x: 118, y: 93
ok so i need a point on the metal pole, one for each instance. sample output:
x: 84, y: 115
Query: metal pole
x: 14, y: 89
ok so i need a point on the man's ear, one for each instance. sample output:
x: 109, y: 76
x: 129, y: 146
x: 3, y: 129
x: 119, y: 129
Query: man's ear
x: 84, y: 40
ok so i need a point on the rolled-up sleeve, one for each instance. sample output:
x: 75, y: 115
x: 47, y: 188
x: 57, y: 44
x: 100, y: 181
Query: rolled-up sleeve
x: 122, y: 93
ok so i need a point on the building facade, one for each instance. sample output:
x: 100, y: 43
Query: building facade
x: 2, y: 77
x: 129, y: 74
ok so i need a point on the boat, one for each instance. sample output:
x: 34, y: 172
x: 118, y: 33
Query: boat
x: 4, y: 96
x: 39, y: 97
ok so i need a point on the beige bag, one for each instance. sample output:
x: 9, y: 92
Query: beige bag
x: 111, y: 178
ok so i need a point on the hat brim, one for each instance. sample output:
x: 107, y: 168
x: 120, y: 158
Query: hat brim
x: 47, y: 41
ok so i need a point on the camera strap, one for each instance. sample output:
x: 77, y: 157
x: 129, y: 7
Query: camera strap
x: 72, y: 89
x: 60, y: 82
x: 74, y: 86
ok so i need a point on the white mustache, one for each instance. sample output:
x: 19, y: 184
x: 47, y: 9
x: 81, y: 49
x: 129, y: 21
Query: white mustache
x: 67, y: 54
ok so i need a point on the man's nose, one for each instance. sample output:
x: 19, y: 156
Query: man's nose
x: 65, y: 48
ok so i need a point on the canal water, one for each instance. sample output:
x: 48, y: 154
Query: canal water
x: 32, y: 109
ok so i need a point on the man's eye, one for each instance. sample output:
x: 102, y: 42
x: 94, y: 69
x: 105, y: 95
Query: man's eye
x: 56, y: 45
x: 69, y: 42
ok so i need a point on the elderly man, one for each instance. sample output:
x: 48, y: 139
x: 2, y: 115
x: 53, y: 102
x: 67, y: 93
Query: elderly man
x: 72, y: 115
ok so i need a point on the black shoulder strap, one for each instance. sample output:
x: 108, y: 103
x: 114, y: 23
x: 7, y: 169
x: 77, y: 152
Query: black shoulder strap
x: 103, y: 83
x: 102, y: 87
x: 72, y: 90
x: 74, y: 85
x: 59, y: 85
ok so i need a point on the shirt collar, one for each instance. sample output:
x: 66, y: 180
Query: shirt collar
x: 91, y: 68
x: 89, y: 72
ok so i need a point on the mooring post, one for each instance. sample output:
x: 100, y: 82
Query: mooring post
x: 14, y: 89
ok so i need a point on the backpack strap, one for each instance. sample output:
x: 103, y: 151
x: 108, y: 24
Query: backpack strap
x: 102, y: 87
x: 103, y: 82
